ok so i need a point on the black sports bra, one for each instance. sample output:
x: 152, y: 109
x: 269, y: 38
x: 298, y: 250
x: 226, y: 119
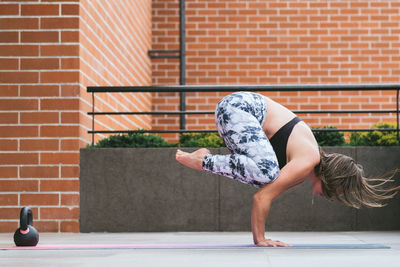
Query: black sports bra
x: 280, y: 139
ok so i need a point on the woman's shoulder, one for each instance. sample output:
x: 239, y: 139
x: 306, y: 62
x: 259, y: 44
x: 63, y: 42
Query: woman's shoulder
x: 302, y: 144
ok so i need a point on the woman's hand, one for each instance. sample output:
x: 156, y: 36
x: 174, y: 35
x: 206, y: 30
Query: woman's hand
x: 272, y: 243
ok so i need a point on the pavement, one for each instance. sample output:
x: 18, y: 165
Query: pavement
x: 206, y: 256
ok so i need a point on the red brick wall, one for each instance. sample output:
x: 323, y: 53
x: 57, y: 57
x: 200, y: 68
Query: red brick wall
x: 49, y: 52
x: 282, y: 42
x: 114, y: 40
x: 39, y: 135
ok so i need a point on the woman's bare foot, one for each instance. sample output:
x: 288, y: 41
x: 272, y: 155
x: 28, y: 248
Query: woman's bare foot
x: 193, y: 160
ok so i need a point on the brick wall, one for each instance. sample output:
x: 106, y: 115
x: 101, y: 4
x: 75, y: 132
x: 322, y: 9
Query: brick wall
x: 114, y: 40
x: 49, y: 52
x: 281, y: 42
x: 39, y: 136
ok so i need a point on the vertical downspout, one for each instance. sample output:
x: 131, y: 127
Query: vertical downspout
x: 182, y: 65
x: 92, y: 119
x: 397, y: 115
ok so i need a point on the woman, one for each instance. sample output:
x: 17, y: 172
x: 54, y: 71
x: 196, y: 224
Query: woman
x: 274, y: 150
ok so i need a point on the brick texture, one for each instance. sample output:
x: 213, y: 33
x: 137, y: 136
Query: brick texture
x: 49, y: 52
x: 280, y: 42
x: 115, y: 38
x: 34, y: 85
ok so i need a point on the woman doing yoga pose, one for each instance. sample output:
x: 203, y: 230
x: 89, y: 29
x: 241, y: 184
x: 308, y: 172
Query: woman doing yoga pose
x: 272, y: 149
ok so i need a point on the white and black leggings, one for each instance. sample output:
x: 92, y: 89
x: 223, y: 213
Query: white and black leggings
x: 239, y: 118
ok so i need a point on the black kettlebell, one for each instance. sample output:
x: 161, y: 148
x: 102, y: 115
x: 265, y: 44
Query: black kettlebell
x: 26, y: 235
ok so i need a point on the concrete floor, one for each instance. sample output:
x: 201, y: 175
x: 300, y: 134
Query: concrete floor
x: 207, y: 257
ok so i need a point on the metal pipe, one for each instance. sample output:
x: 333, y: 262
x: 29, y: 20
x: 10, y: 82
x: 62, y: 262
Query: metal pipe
x: 163, y: 53
x: 214, y: 131
x: 93, y: 118
x: 182, y: 63
x: 212, y: 112
x: 398, y: 110
x: 164, y: 56
x: 232, y: 88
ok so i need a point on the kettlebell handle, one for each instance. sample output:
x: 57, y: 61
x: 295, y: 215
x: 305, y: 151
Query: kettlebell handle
x: 26, y: 218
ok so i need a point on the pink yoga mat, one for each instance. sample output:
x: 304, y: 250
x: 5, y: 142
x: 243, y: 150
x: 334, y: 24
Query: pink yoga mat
x: 194, y: 246
x: 137, y: 246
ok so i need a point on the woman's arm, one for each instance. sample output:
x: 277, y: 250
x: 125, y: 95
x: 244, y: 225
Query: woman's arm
x: 258, y: 216
x: 293, y: 173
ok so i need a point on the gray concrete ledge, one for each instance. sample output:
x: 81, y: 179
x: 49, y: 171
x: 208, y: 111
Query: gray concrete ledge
x: 146, y: 190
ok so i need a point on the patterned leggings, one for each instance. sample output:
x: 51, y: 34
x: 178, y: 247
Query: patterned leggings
x: 239, y: 118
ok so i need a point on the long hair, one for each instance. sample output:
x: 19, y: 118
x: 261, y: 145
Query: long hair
x: 343, y: 179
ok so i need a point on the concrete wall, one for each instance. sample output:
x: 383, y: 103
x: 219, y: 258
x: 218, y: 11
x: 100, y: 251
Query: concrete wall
x: 139, y: 190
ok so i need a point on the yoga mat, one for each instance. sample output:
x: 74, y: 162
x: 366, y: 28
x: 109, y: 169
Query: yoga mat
x: 195, y: 246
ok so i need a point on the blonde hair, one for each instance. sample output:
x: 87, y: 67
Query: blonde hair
x: 343, y: 179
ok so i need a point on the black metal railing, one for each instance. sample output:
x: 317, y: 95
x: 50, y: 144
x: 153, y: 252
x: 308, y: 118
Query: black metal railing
x: 233, y: 88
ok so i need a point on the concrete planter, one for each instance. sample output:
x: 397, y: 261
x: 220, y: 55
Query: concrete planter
x: 145, y: 189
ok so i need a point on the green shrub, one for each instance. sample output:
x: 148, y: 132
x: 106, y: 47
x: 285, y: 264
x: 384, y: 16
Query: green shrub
x: 333, y: 138
x: 134, y: 139
x: 200, y: 140
x: 376, y: 138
